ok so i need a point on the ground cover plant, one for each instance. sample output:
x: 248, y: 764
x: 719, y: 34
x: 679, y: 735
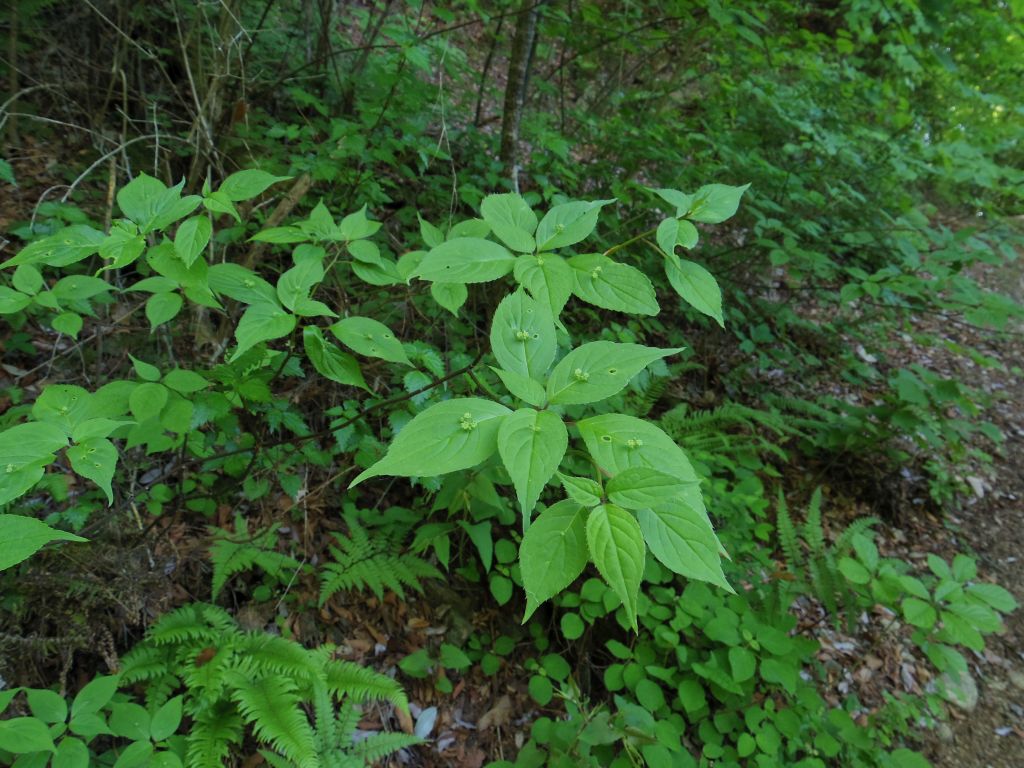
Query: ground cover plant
x: 503, y: 383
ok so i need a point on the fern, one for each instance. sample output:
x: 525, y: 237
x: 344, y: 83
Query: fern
x: 814, y: 533
x: 272, y: 705
x: 237, y: 552
x: 789, y: 539
x: 212, y: 734
x: 362, y: 561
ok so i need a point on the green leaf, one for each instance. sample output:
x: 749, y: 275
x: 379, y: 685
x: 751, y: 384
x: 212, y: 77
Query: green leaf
x: 451, y: 296
x: 599, y: 369
x: 281, y: 236
x: 553, y: 553
x: 523, y: 336
x: 245, y: 185
x: 185, y: 382
x: 532, y: 444
x: 617, y: 442
x: 523, y: 387
x: 153, y: 206
x: 330, y: 361
x: 568, y: 224
x: 641, y: 487
x: 294, y: 285
x: 608, y: 284
x: 548, y: 278
x: 241, y: 284
x: 48, y: 706
x: 673, y: 232
x: 135, y: 755
x: 123, y: 245
x: 449, y: 436
x: 511, y: 220
x: 27, y: 279
x: 682, y: 538
x: 261, y: 322
x: 12, y: 301
x: 356, y: 226
x: 65, y: 247
x: 96, y: 460
x: 218, y: 202
x: 993, y: 595
x: 80, y: 288
x: 25, y: 451
x: 432, y: 236
x: 370, y: 338
x: 192, y: 237
x: 144, y: 370
x: 697, y: 286
x: 71, y: 753
x: 166, y: 720
x: 919, y: 613
x: 7, y: 173
x: 617, y: 548
x: 24, y: 536
x: 469, y: 228
x: 94, y: 695
x: 854, y: 572
x: 21, y: 735
x: 674, y: 197
x: 466, y: 260
x: 743, y: 664
x: 130, y: 720
x: 162, y: 308
x: 69, y: 323
x: 715, y: 203
x: 147, y: 400
x: 582, y: 490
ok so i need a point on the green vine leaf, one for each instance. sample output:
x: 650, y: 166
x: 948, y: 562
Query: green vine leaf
x: 532, y: 444
x: 553, y: 553
x: 595, y: 371
x: 449, y: 436
x: 617, y: 548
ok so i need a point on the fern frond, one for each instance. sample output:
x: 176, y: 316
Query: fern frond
x: 273, y: 708
x: 213, y: 732
x: 788, y: 538
x: 347, y: 679
x: 378, y: 746
x: 233, y: 553
x: 263, y: 654
x: 182, y: 625
x: 845, y: 541
x: 144, y: 663
x: 814, y: 533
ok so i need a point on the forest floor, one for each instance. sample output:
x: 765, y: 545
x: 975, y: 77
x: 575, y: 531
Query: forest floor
x: 991, y: 527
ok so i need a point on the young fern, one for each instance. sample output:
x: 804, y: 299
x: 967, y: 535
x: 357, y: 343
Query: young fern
x: 240, y: 551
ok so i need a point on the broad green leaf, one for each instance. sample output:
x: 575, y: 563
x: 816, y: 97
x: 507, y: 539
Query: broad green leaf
x: 320, y: 224
x: 548, y: 278
x: 123, y: 245
x: 371, y: 338
x: 147, y: 400
x: 330, y: 361
x: 96, y: 459
x: 185, y: 382
x: 27, y: 279
x: 24, y: 536
x: 640, y: 487
x: 523, y: 336
x: 598, y: 370
x: 245, y: 185
x: 993, y: 595
x: 605, y: 283
x: 674, y: 197
x: 94, y: 695
x: 617, y: 442
x: 166, y: 719
x: 130, y: 720
x: 532, y: 444
x: 553, y: 553
x: 715, y: 203
x: 162, y: 308
x: 153, y: 206
x: 12, y: 301
x: 241, y: 284
x: 144, y: 370
x: 21, y: 735
x: 64, y: 405
x: 697, y: 286
x: 192, y: 237
x: 451, y: 296
x: 449, y: 436
x: 48, y: 706
x: 673, y: 232
x: 28, y: 443
x: 682, y: 538
x: 136, y: 755
x: 71, y: 753
x: 281, y: 236
x: 511, y: 219
x: 365, y: 251
x: 407, y: 264
x: 7, y: 173
x: 80, y: 288
x: 356, y: 226
x: 218, y: 202
x: 687, y: 236
x: 432, y: 236
x: 466, y: 260
x: 523, y: 387
x: 384, y: 273
x: 617, y: 548
x: 69, y: 323
x: 568, y: 224
x: 743, y: 664
x: 261, y: 322
x: 65, y: 247
x: 469, y: 228
x: 162, y: 259
x: 92, y: 428
x: 294, y: 286
x: 919, y: 613
x: 582, y: 490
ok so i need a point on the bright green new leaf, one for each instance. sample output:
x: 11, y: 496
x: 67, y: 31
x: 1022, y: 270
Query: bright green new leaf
x: 674, y: 197
x: 673, y: 232
x: 598, y: 370
x: 261, y: 322
x: 568, y: 224
x: 617, y: 548
x: 432, y: 236
x: 697, y: 286
x: 605, y: 283
x: 548, y: 278
x: 511, y: 220
x: 451, y: 296
x: 356, y: 226
x: 24, y: 536
x: 371, y: 338
x: 162, y: 308
x: 466, y: 260
x: 523, y: 387
x: 553, y: 553
x: 95, y: 459
x: 640, y: 487
x: 449, y: 436
x: 330, y: 361
x: 192, y: 237
x: 294, y: 285
x: 582, y: 490
x: 532, y: 444
x: 715, y: 203
x: 245, y: 185
x: 682, y: 538
x: 523, y: 336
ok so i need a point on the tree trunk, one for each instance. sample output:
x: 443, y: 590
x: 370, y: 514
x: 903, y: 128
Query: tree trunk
x: 515, y: 88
